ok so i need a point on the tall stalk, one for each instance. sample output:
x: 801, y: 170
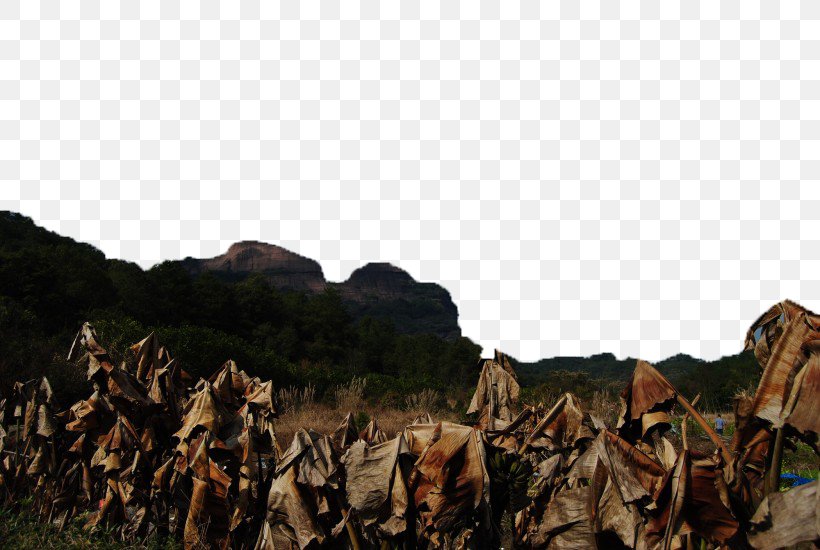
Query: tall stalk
x: 724, y: 452
x: 772, y: 482
x: 17, y: 444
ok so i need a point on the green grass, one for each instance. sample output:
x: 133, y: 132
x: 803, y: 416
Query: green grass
x: 693, y: 429
x: 22, y: 531
x: 801, y: 461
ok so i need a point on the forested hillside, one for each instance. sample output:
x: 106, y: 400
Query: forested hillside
x: 717, y: 381
x: 50, y: 285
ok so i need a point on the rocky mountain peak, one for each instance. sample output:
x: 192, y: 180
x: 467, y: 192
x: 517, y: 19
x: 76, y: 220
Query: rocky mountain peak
x: 378, y: 290
x: 379, y: 277
x: 285, y: 269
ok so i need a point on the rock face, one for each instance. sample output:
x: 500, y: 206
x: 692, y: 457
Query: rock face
x: 384, y: 291
x: 377, y: 280
x: 378, y: 290
x: 286, y: 270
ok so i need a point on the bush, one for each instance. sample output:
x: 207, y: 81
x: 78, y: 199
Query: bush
x: 361, y: 419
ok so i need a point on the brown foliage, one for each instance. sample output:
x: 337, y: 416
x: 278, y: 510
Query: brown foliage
x: 151, y: 450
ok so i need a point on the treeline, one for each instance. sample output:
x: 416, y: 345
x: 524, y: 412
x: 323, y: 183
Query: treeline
x: 716, y: 381
x: 50, y: 285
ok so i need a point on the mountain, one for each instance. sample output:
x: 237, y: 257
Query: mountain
x: 270, y: 310
x: 284, y: 269
x: 276, y: 315
x: 377, y: 290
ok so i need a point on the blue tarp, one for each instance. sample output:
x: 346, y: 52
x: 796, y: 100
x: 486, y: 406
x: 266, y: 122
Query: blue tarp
x: 795, y: 479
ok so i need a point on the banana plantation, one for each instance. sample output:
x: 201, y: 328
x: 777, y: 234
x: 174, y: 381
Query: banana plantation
x: 152, y: 451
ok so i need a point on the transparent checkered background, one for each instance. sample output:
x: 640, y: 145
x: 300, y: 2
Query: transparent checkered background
x: 640, y: 179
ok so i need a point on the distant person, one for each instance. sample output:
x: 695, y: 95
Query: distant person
x: 719, y: 424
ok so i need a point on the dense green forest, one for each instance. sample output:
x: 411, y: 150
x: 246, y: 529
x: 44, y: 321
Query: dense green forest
x: 50, y: 285
x: 717, y: 381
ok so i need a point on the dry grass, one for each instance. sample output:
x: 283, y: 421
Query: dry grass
x: 325, y: 418
x: 318, y: 417
x: 350, y: 396
x: 300, y: 409
x: 605, y: 407
x: 542, y: 398
x: 293, y: 397
x: 427, y: 400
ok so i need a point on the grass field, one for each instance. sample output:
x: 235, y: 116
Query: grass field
x: 21, y: 531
